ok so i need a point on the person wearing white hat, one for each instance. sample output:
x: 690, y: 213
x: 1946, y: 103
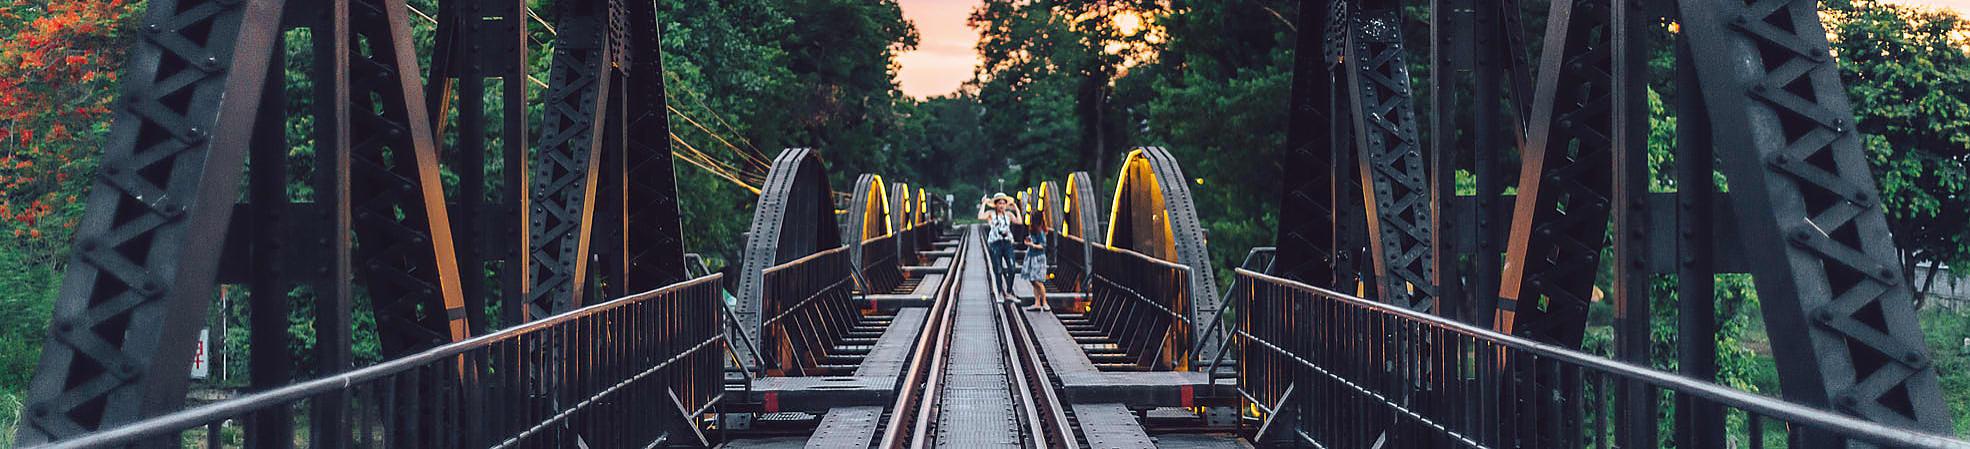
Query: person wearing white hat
x: 997, y: 213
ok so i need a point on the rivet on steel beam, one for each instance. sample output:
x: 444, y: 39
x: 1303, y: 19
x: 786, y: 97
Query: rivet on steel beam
x: 1823, y: 315
x: 1848, y: 402
x: 1914, y: 357
x: 88, y: 244
x: 150, y: 287
x: 1779, y: 160
x: 127, y: 371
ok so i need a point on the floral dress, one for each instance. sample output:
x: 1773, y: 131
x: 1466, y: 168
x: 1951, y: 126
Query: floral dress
x: 1035, y: 269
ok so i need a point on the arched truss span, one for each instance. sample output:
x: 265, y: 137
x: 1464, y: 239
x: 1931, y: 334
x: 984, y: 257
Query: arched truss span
x: 1081, y: 217
x: 1152, y: 214
x: 903, y: 207
x: 794, y: 218
x: 1045, y: 206
x: 868, y: 214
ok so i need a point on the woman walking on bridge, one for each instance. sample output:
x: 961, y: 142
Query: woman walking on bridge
x: 997, y: 214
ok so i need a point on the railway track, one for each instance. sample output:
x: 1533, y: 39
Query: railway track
x: 977, y: 358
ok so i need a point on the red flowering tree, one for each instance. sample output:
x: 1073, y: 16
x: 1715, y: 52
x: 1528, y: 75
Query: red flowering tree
x: 58, y: 70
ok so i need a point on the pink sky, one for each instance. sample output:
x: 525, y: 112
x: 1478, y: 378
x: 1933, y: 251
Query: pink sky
x: 945, y: 58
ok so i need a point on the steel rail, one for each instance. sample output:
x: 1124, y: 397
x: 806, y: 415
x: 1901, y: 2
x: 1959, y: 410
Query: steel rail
x: 1043, y: 401
x: 918, y: 386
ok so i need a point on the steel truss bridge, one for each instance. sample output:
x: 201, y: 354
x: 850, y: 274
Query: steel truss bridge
x: 550, y: 304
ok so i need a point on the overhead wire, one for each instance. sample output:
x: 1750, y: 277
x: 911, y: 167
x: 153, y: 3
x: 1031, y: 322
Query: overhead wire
x: 748, y: 156
x: 697, y: 158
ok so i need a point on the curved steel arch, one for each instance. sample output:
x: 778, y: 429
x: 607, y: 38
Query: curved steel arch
x: 1048, y: 203
x: 923, y: 206
x: 1152, y: 214
x: 868, y: 215
x: 794, y: 218
x: 902, y: 207
x: 1082, y: 217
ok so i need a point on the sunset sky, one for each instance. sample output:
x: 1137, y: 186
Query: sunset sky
x: 945, y: 58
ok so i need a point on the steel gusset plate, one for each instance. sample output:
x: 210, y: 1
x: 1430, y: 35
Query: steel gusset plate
x: 1559, y: 224
x: 655, y: 231
x: 140, y: 277
x: 1391, y: 157
x: 1810, y: 215
x: 566, y: 166
x: 794, y: 218
x: 404, y: 250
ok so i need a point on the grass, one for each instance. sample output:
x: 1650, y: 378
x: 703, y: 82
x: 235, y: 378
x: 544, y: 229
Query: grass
x: 1945, y: 328
x: 10, y: 414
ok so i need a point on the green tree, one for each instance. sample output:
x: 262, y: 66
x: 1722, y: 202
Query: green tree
x: 1908, y: 73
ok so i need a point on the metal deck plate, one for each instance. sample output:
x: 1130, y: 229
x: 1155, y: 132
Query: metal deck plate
x: 1200, y: 441
x: 1085, y: 383
x: 1111, y: 426
x: 846, y: 427
x: 892, y: 350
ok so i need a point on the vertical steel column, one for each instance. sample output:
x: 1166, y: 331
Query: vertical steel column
x: 516, y: 271
x: 1306, y: 203
x: 334, y: 291
x: 1630, y: 25
x: 1698, y: 423
x: 404, y: 252
x: 142, y: 269
x: 1812, y: 225
x: 1488, y: 151
x: 267, y: 177
x: 1391, y: 155
x: 565, y: 177
x: 1452, y: 32
x: 1559, y: 224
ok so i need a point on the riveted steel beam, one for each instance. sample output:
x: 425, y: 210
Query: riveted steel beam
x: 1391, y: 158
x: 1810, y: 215
x: 142, y: 269
x: 1559, y: 224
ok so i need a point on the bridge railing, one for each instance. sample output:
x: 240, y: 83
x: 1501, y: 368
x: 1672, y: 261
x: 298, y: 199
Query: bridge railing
x: 1330, y: 370
x: 882, y: 270
x: 1142, y: 303
x: 1071, y: 262
x: 809, y: 308
x: 624, y: 373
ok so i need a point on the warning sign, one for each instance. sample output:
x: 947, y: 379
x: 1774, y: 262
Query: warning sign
x: 202, y: 358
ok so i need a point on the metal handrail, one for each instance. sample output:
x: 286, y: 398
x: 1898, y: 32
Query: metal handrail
x: 171, y: 424
x: 1845, y: 426
x: 1225, y: 299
